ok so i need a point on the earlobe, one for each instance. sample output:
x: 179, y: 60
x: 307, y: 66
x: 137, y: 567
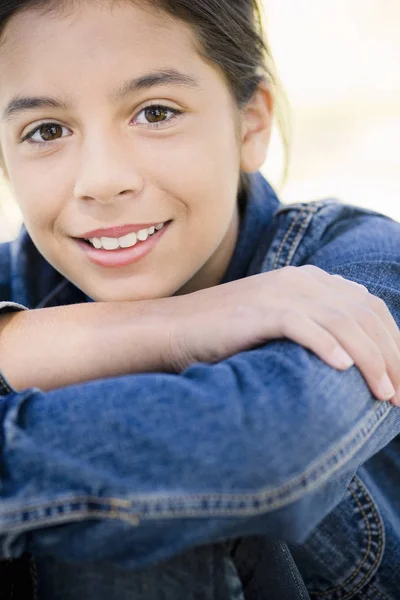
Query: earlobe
x: 257, y: 119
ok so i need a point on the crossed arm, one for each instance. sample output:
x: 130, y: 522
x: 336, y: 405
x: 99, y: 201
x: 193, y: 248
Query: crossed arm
x: 265, y: 441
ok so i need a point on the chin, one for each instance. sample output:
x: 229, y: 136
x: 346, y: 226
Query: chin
x: 113, y: 293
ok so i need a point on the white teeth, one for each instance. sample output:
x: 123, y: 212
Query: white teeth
x: 128, y: 240
x: 142, y: 235
x: 110, y: 243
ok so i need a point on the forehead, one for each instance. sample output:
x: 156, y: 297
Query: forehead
x: 105, y: 38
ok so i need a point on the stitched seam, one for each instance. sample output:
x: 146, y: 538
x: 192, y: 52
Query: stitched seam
x: 287, y: 235
x: 379, y: 549
x: 368, y: 527
x: 115, y: 503
x: 72, y: 516
x: 155, y: 510
x: 298, y: 480
x: 289, y: 564
x: 176, y: 505
x: 303, y: 227
x: 302, y: 211
x: 312, y: 207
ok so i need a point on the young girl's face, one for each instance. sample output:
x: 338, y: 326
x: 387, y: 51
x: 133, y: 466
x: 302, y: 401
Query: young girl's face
x: 111, y: 125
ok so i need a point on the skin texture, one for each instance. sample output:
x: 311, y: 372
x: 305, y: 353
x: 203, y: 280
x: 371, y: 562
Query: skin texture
x: 111, y: 167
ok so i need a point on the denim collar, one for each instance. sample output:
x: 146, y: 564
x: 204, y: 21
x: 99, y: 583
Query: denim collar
x: 36, y: 284
x: 261, y: 205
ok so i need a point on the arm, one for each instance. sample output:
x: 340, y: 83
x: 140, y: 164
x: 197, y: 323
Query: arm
x: 265, y: 442
x: 73, y: 344
x: 53, y: 348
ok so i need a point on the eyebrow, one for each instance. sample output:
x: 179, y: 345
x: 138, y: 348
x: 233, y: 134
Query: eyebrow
x: 156, y: 78
x: 172, y: 77
x: 23, y: 103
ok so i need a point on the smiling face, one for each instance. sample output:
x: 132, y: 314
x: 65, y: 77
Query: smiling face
x: 112, y: 124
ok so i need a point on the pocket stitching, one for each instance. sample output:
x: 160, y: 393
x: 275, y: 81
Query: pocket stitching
x: 357, y: 482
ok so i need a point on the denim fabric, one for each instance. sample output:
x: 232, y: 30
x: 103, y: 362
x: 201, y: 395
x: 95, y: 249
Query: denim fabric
x: 141, y: 469
x: 205, y: 573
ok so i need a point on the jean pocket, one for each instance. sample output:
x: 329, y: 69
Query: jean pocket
x: 345, y: 551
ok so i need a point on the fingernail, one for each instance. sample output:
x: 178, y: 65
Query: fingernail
x: 342, y: 359
x: 386, y: 389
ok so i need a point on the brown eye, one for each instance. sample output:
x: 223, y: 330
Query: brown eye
x: 156, y: 114
x: 46, y: 133
x: 50, y: 132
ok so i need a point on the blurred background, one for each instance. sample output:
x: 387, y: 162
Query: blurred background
x: 339, y: 62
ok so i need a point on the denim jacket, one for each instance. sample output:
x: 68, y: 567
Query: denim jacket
x: 271, y: 442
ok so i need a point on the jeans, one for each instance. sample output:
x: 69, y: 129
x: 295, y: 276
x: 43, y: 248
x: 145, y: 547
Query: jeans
x: 247, y: 569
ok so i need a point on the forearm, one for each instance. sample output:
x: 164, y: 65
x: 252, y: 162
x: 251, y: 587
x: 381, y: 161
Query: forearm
x: 55, y: 347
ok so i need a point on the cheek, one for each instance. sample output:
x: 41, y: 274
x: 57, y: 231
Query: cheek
x: 40, y: 209
x: 195, y: 165
x: 38, y: 192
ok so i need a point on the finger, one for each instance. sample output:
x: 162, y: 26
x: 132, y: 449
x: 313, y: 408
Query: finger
x: 337, y: 281
x: 360, y: 344
x: 355, y: 286
x: 301, y: 329
x: 376, y: 328
x: 375, y: 318
x: 353, y: 289
x: 379, y: 307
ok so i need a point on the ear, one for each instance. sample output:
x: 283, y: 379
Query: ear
x: 256, y: 127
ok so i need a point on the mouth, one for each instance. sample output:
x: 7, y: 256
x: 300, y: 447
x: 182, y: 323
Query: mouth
x: 129, y: 240
x: 124, y: 250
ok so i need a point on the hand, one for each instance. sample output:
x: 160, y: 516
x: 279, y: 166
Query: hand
x: 337, y: 319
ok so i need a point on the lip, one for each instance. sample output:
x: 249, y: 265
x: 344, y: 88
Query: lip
x: 123, y: 256
x: 117, y: 232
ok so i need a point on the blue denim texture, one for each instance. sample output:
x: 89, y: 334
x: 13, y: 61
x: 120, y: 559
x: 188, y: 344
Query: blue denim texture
x: 273, y: 443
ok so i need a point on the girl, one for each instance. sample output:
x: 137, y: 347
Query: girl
x: 158, y: 434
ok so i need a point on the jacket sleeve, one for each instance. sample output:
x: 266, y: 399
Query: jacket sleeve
x: 139, y: 468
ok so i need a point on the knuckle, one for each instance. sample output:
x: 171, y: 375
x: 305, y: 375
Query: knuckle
x: 377, y: 304
x: 290, y: 277
x: 363, y: 289
x: 311, y: 269
x: 288, y: 272
x: 360, y: 286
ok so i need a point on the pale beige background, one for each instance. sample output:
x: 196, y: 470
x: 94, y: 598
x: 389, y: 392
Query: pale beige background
x: 339, y: 61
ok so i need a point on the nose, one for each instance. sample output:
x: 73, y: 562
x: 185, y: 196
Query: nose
x: 106, y: 172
